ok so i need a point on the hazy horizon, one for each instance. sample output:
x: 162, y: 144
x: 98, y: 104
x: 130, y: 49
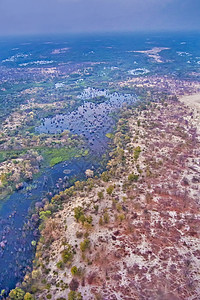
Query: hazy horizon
x: 97, y: 33
x: 47, y: 17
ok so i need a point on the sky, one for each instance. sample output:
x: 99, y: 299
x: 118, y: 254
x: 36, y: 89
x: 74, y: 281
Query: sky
x: 76, y: 16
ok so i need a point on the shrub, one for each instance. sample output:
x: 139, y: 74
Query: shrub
x: 101, y: 221
x: 148, y: 172
x: 85, y: 245
x: 110, y: 189
x: 67, y: 254
x: 106, y: 217
x: 121, y: 217
x: 137, y: 151
x: 105, y: 177
x: 82, y: 219
x: 79, y: 234
x: 79, y: 185
x: 59, y: 264
x: 34, y: 289
x: 96, y: 208
x: 3, y: 292
x: 69, y: 192
x: 45, y: 214
x: 33, y: 243
x: 76, y: 271
x: 90, y: 183
x: 133, y: 177
x: 88, y: 219
x: 79, y: 215
x: 119, y: 207
x: 48, y: 286
x: 110, y: 135
x: 100, y: 195
x: 74, y: 296
x: 86, y: 234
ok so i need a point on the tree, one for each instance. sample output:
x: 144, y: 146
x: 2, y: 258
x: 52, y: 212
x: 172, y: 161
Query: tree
x: 78, y: 212
x: 105, y: 177
x: 45, y: 214
x: 74, y: 270
x: 28, y: 296
x: 35, y: 274
x: 17, y: 294
x: 67, y: 253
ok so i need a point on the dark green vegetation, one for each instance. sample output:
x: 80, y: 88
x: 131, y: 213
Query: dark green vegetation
x: 19, y: 294
x: 26, y: 156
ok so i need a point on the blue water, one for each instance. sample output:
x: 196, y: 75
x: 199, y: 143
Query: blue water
x: 16, y: 257
x: 111, y: 58
x: 90, y: 120
x: 16, y: 228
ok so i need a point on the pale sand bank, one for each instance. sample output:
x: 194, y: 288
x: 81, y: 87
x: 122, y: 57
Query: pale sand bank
x: 193, y: 102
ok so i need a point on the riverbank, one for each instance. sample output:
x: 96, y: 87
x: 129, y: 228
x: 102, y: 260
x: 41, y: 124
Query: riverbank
x: 134, y: 231
x: 19, y: 167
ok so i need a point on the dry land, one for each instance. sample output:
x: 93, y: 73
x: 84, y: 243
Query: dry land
x: 133, y: 233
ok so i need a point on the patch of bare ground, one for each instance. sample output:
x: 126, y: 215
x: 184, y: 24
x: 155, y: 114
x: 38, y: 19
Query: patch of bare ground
x: 193, y: 102
x: 136, y: 235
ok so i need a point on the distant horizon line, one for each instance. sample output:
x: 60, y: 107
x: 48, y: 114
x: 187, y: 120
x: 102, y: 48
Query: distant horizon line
x: 91, y: 33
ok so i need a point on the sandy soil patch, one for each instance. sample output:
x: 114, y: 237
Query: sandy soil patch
x: 192, y: 101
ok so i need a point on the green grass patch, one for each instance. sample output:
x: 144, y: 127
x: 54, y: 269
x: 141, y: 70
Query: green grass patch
x: 110, y: 135
x: 55, y: 156
x: 11, y: 154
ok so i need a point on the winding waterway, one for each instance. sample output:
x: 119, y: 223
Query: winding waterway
x: 17, y: 228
